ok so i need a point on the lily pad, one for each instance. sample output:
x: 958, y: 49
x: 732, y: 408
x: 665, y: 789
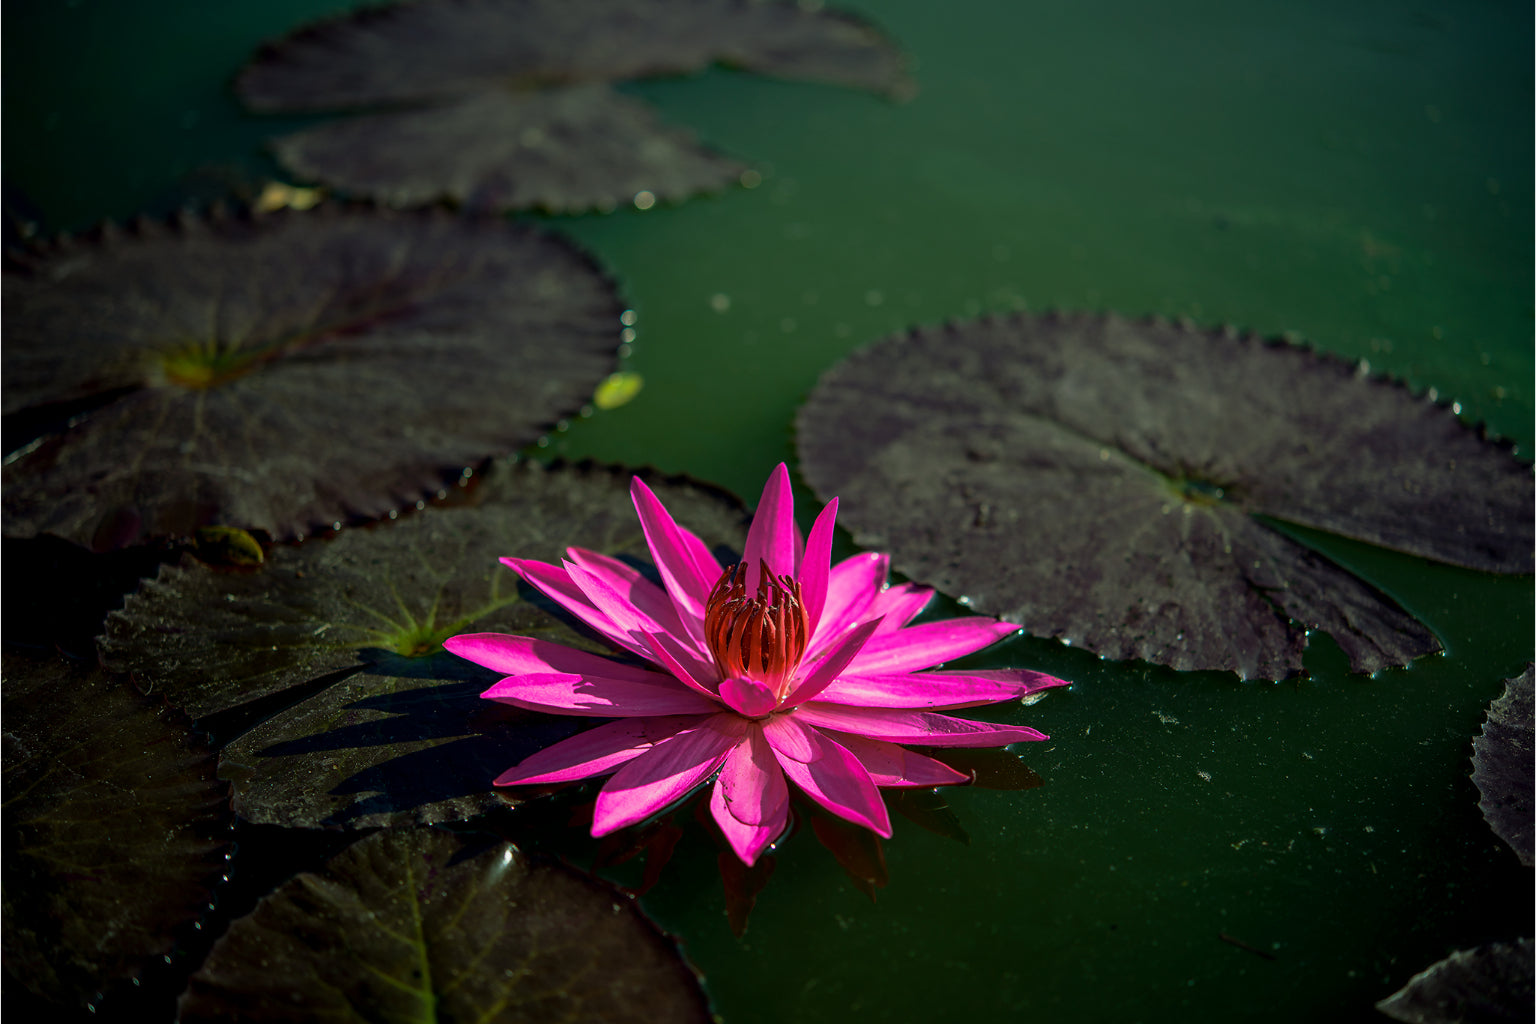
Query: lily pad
x: 1492, y: 983
x: 1501, y: 766
x: 1098, y: 479
x: 510, y: 151
x: 422, y: 924
x: 287, y: 371
x: 116, y: 830
x: 404, y: 737
x: 501, y: 103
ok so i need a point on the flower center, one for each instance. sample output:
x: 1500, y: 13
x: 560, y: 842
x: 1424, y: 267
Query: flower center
x: 761, y: 637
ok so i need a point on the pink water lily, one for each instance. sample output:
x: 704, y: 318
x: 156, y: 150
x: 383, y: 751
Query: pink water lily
x: 780, y: 666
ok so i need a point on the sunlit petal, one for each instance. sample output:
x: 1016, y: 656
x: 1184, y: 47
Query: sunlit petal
x: 935, y: 691
x: 890, y: 765
x: 922, y: 727
x: 593, y: 696
x: 665, y: 773
x: 811, y: 677
x: 928, y: 644
x: 773, y: 534
x: 750, y: 801
x: 597, y: 751
x: 827, y: 773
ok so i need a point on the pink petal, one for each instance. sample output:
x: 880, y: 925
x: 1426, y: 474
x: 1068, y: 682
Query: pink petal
x: 665, y: 773
x: 634, y: 623
x: 928, y: 644
x: 827, y: 772
x: 704, y: 560
x: 627, y: 581
x: 676, y: 553
x: 557, y: 585
x: 816, y: 566
x: 852, y: 585
x: 682, y: 663
x: 890, y: 765
x: 937, y: 691
x: 748, y: 697
x: 922, y: 727
x: 1029, y: 679
x: 751, y: 798
x: 773, y: 535
x: 519, y: 655
x: 596, y: 751
x: 825, y: 671
x: 565, y: 694
x: 898, y: 606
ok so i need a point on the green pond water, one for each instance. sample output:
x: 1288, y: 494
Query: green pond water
x: 1357, y: 173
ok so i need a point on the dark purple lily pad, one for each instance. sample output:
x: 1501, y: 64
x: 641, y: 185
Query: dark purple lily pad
x: 499, y: 104
x: 116, y: 831
x: 1501, y: 766
x: 405, y: 737
x: 435, y: 49
x: 1492, y: 983
x: 422, y: 924
x: 284, y: 372
x: 511, y: 150
x: 1097, y: 479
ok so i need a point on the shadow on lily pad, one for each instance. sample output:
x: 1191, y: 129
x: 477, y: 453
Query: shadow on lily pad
x: 336, y: 644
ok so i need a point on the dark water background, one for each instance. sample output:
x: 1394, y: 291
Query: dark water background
x: 1358, y: 173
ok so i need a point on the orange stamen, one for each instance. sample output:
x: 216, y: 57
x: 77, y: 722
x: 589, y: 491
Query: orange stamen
x: 760, y: 637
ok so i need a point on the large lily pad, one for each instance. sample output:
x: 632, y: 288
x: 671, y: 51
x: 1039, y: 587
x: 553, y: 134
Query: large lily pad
x: 1097, y: 480
x: 284, y: 372
x: 116, y: 830
x: 423, y: 925
x: 406, y: 737
x: 1501, y: 765
x: 1492, y: 983
x: 473, y: 100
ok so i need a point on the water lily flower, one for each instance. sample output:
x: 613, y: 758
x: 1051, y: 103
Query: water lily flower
x: 781, y: 668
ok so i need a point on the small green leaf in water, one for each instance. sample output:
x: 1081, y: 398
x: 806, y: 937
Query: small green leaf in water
x: 617, y: 389
x: 228, y: 545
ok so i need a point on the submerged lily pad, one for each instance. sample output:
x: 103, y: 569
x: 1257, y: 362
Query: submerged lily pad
x: 1492, y: 983
x: 501, y: 104
x: 1098, y: 479
x: 116, y: 830
x: 404, y: 737
x: 287, y: 371
x: 424, y: 925
x: 1501, y: 766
